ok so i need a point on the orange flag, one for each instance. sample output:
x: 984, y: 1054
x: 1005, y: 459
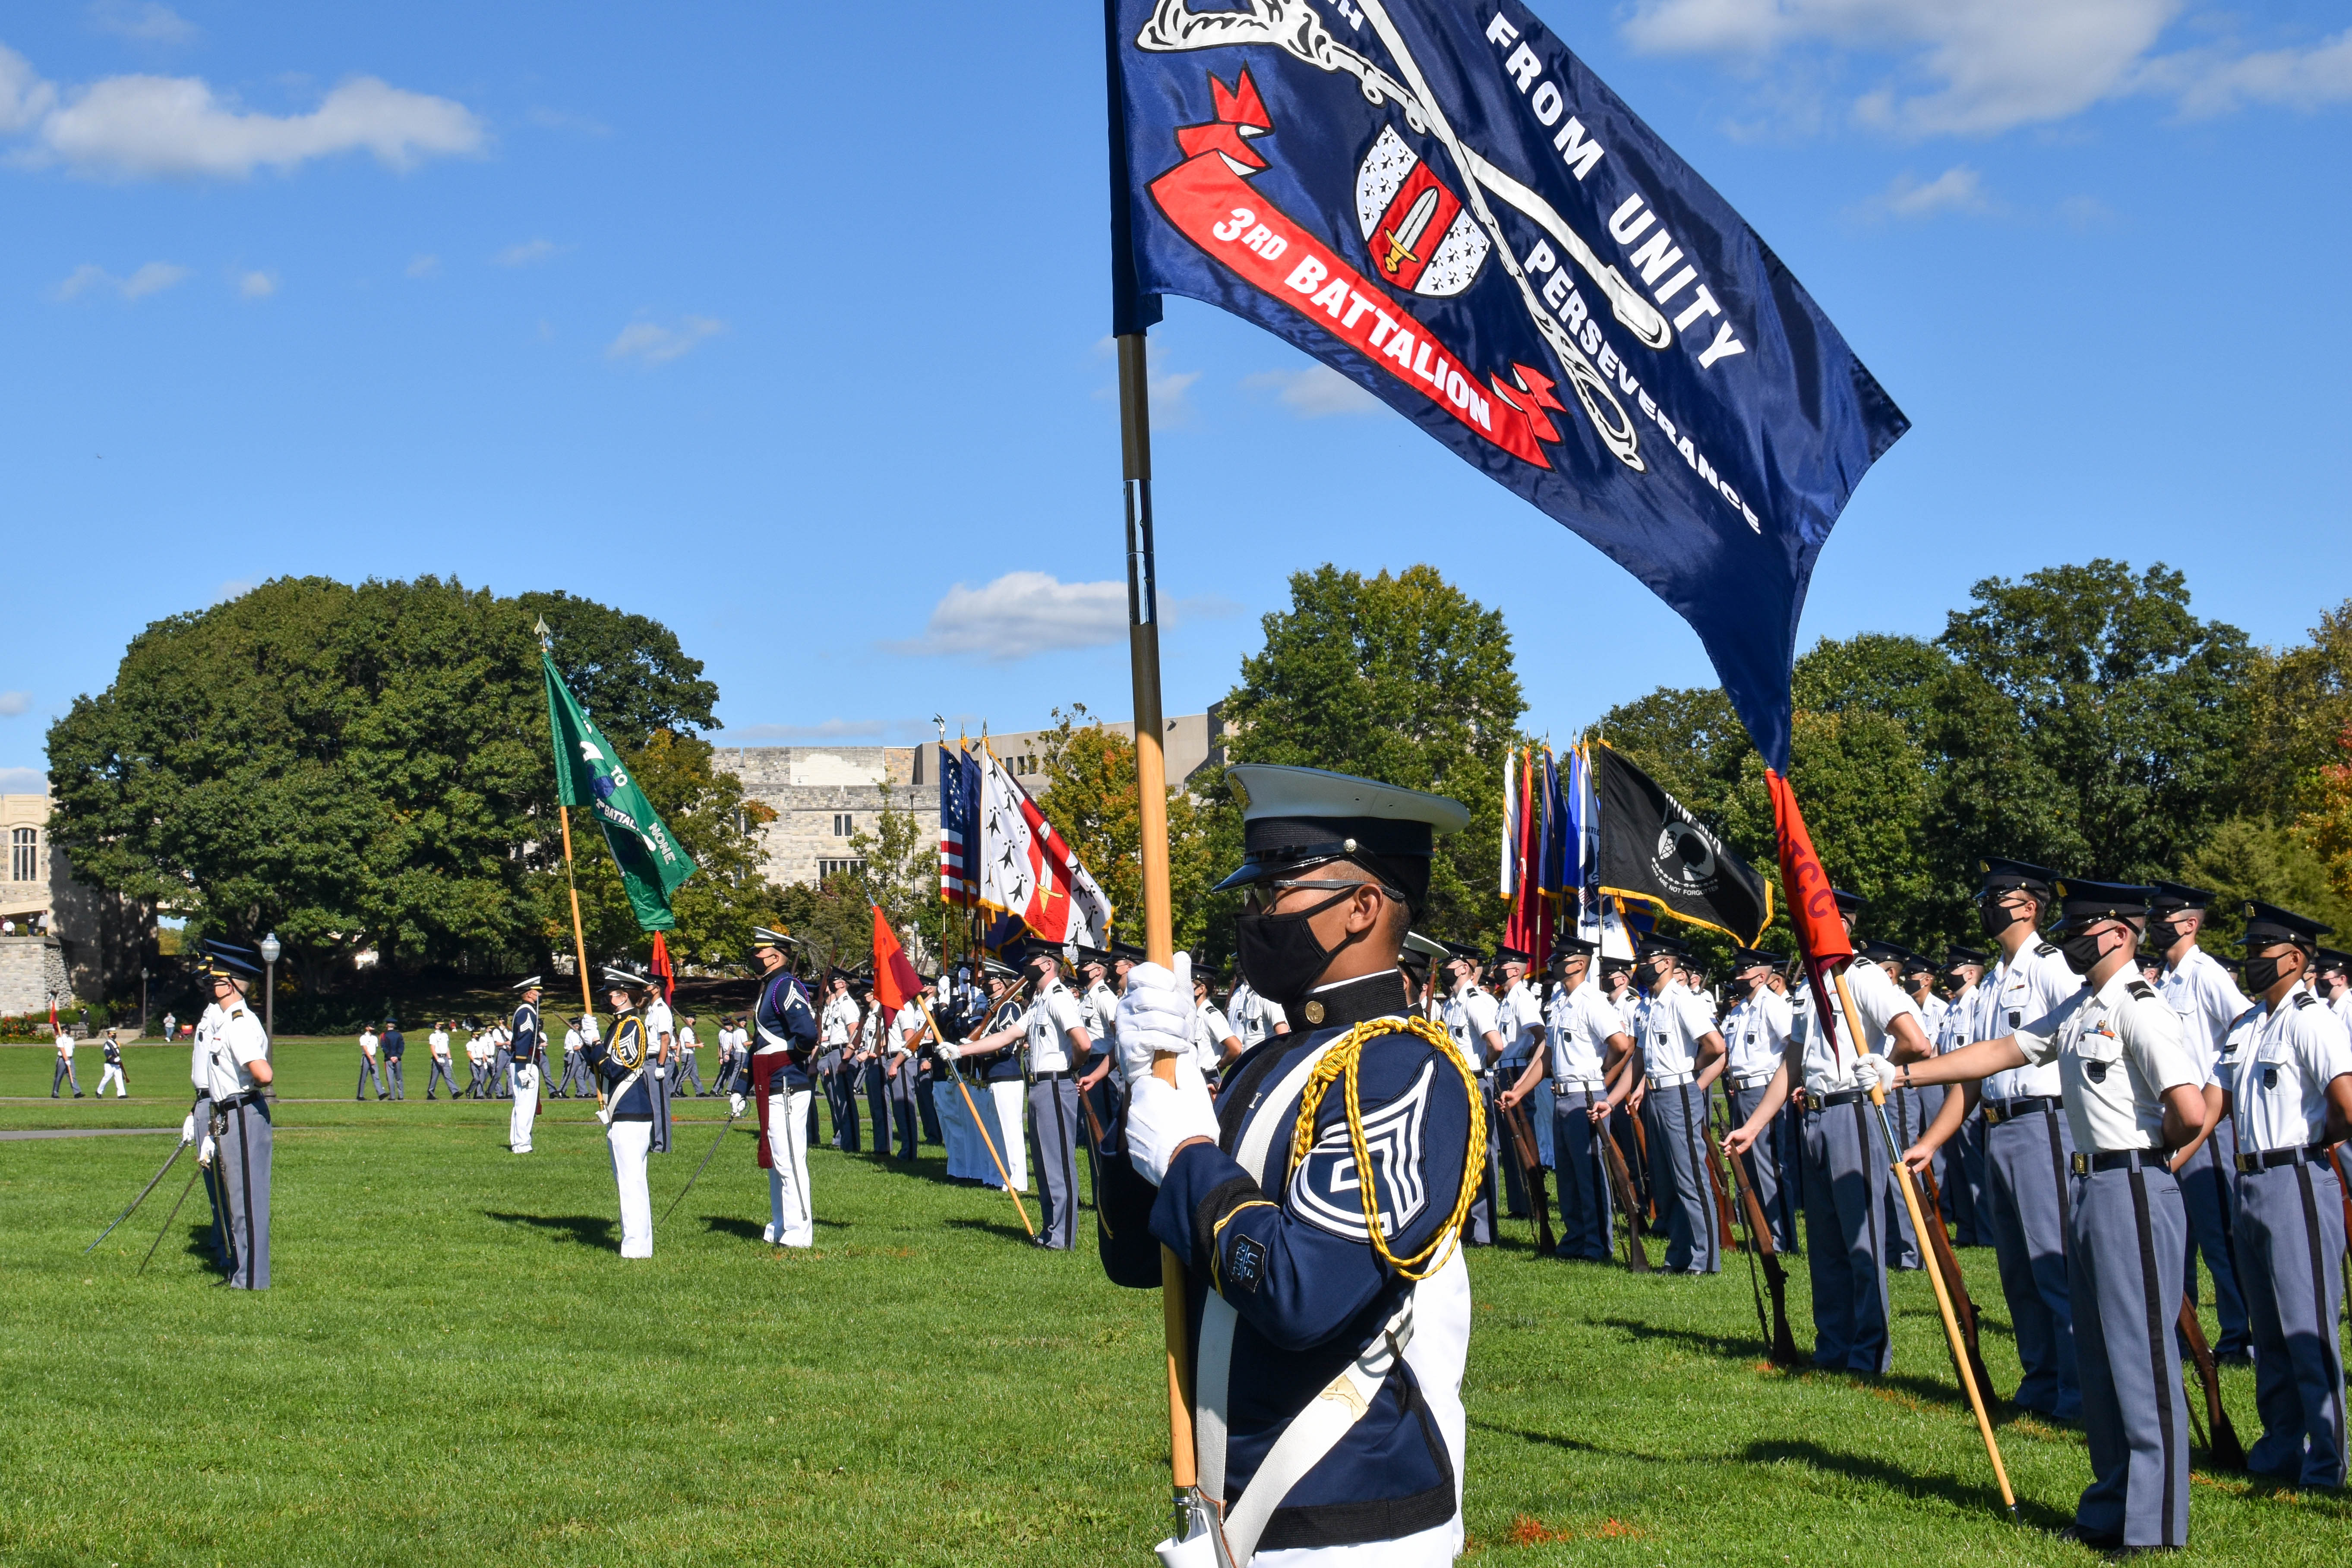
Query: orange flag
x: 895, y: 980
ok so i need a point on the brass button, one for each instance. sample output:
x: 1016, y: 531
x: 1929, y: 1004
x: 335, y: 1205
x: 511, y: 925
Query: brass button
x: 1315, y: 1011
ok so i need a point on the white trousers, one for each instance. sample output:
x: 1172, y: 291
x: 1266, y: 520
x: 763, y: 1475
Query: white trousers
x: 789, y: 1215
x: 1012, y: 1099
x: 526, y: 1108
x: 1431, y: 1548
x: 629, y: 1140
x: 113, y: 1075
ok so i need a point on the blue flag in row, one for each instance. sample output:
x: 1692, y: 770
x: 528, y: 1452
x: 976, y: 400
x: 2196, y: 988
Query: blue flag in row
x: 1439, y: 201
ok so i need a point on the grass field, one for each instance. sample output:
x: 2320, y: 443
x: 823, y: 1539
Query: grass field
x: 454, y: 1366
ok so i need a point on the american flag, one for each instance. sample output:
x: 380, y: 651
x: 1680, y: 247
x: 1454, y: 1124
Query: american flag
x: 958, y: 826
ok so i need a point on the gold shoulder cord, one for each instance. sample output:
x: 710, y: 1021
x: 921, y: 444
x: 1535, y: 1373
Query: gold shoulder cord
x: 1342, y: 1061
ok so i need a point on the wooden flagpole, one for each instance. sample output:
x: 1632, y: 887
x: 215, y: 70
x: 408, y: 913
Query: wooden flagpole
x: 563, y: 816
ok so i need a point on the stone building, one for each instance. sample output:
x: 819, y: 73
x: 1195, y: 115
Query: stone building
x: 67, y: 938
x: 822, y: 795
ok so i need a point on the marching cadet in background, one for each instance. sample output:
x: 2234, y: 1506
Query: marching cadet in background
x: 2292, y: 1097
x: 1473, y: 1021
x: 477, y: 1056
x: 501, y: 1069
x: 530, y: 1054
x: 2208, y: 1003
x: 1055, y: 1039
x: 1581, y: 1033
x: 1214, y: 1043
x: 574, y: 1069
x: 1846, y: 1170
x: 624, y: 1066
x: 232, y: 1061
x: 1679, y: 1055
x: 394, y: 1047
x: 1328, y: 1307
x: 113, y: 1073
x: 1756, y: 1032
x: 836, y: 1035
x: 368, y: 1076
x: 1519, y: 1019
x: 1963, y: 1172
x: 2131, y: 1087
x: 2028, y: 1139
x: 775, y: 1076
x: 687, y: 1043
x: 64, y: 1073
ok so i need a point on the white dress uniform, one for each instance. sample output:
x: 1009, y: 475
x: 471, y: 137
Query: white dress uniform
x: 1053, y: 1024
x: 1211, y: 1029
x: 1756, y: 1034
x: 1519, y: 1015
x: 1846, y: 1179
x: 1674, y: 1114
x: 228, y: 1042
x: 2290, y: 1234
x: 1249, y: 1014
x: 1577, y: 1024
x: 2209, y: 1002
x: 1470, y: 1015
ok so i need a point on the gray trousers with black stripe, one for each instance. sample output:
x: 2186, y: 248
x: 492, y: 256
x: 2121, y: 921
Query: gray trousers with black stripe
x: 1675, y: 1120
x: 2025, y: 1161
x: 240, y: 1188
x: 1845, y: 1183
x: 2290, y: 1243
x: 2129, y: 1238
x: 1054, y: 1153
x: 1586, y: 1223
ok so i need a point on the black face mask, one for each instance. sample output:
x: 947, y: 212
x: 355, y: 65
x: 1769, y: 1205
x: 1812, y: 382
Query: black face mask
x: 1994, y: 919
x: 2259, y: 974
x: 1279, y: 954
x: 2081, y: 950
x: 2163, y: 935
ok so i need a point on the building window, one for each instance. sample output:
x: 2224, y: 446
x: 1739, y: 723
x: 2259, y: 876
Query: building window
x: 25, y: 855
x: 825, y: 868
x: 844, y: 824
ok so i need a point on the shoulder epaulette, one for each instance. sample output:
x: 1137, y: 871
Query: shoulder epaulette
x: 2045, y: 949
x: 2141, y: 989
x: 2306, y: 999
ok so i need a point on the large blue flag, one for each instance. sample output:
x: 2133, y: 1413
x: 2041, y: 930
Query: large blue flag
x: 1439, y: 201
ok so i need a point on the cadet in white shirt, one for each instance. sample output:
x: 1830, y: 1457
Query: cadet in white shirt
x: 576, y: 1069
x: 905, y: 1037
x: 2132, y: 1089
x: 689, y: 1043
x: 2028, y: 1138
x: 1582, y: 1034
x: 1214, y: 1043
x: 1847, y: 1167
x: 1964, y: 1177
x: 2292, y: 1096
x: 1519, y: 1019
x: 1474, y: 1021
x: 2332, y: 982
x: 65, y: 1067
x: 231, y: 1067
x: 2199, y: 989
x: 1682, y: 1054
x: 1255, y: 1020
x: 367, y: 1066
x: 1893, y: 961
x: 436, y: 1048
x: 1756, y: 1031
x: 661, y: 1042
x: 1057, y: 1040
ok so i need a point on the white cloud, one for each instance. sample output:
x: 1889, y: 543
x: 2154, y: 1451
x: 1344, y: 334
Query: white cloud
x: 1958, y: 189
x: 152, y: 126
x: 13, y: 703
x: 257, y: 286
x: 650, y: 342
x: 233, y: 588
x: 1318, y: 391
x: 1979, y: 67
x: 24, y: 781
x: 1020, y: 614
x: 145, y: 24
x: 152, y: 278
x: 528, y: 251
x: 424, y: 265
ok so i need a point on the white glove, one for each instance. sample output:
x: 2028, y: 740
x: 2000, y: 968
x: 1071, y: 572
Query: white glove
x: 1875, y: 1071
x: 948, y: 1053
x: 1161, y: 1117
x: 188, y: 1129
x: 657, y: 1075
x: 204, y: 1150
x: 1155, y: 1016
x: 734, y: 1105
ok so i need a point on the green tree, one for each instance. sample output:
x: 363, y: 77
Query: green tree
x: 2302, y: 703
x: 1403, y: 678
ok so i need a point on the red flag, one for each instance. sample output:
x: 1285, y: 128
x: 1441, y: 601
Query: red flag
x: 1812, y: 907
x: 895, y: 980
x: 665, y: 972
x: 1519, y: 930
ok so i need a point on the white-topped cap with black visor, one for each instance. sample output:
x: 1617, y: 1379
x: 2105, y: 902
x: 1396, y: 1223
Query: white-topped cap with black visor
x: 1296, y: 818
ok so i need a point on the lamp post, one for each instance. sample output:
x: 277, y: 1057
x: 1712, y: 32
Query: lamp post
x: 143, y: 1001
x: 269, y: 952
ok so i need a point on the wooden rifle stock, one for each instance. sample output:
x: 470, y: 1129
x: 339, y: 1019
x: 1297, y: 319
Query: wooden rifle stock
x: 2223, y: 1449
x: 1722, y: 1200
x: 1948, y: 1263
x: 1523, y: 1139
x: 1776, y: 1279
x: 1637, y: 1258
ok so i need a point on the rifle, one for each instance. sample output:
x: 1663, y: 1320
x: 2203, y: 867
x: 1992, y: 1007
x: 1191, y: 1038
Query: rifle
x: 2224, y: 1450
x: 1948, y: 1263
x: 1715, y: 1184
x: 176, y: 1149
x: 1776, y: 1279
x: 1523, y: 1139
x: 1637, y: 1258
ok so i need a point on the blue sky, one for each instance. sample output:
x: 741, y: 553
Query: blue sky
x: 784, y: 323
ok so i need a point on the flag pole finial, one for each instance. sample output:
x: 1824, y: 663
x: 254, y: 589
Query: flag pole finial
x: 546, y: 638
x: 942, y: 723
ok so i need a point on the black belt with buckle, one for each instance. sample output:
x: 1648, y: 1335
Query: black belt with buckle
x: 1997, y: 1114
x: 2272, y: 1159
x: 1843, y: 1097
x: 1049, y: 1077
x: 2083, y: 1165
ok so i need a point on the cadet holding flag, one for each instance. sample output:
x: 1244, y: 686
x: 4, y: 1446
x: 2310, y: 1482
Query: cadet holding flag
x: 624, y: 1066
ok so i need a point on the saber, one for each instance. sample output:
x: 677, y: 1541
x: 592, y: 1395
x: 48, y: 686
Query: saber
x: 724, y: 1129
x: 1406, y: 234
x: 142, y: 1198
x: 168, y: 1218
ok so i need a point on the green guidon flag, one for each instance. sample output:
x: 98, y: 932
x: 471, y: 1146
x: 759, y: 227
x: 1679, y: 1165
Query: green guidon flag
x: 589, y: 771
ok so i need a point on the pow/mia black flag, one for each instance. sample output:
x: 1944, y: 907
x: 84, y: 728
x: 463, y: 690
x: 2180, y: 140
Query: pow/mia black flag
x: 1652, y: 850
